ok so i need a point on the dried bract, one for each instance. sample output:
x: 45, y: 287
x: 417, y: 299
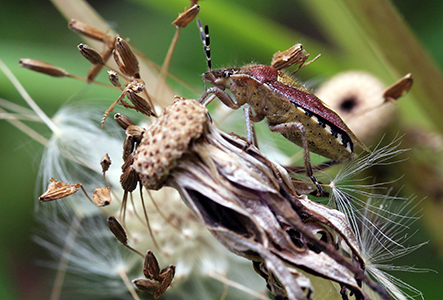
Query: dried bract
x: 125, y: 58
x: 102, y: 196
x: 57, y: 190
x: 187, y: 17
x: 399, y: 88
x: 123, y: 121
x: 294, y: 55
x: 90, y: 54
x: 88, y: 30
x: 113, y: 78
x: 42, y: 67
x: 117, y: 230
x: 140, y: 104
x: 105, y: 162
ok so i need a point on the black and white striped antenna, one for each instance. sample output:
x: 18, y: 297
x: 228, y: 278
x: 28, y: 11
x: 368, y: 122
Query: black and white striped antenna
x: 205, y: 39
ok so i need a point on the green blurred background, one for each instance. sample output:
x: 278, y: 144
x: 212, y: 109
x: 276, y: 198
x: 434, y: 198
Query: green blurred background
x: 241, y: 31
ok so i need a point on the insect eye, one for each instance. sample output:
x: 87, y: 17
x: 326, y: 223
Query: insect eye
x: 226, y: 74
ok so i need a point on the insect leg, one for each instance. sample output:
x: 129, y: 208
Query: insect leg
x: 221, y: 94
x: 250, y: 131
x: 299, y: 126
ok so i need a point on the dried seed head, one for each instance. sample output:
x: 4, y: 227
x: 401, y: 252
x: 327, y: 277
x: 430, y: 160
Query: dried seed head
x: 123, y: 121
x: 88, y: 31
x: 165, y: 141
x: 90, y: 54
x: 294, y: 55
x: 125, y: 58
x: 402, y: 86
x: 113, y: 78
x: 42, y: 67
x: 117, y: 230
x: 187, y: 17
x: 57, y: 190
x: 102, y: 197
x: 141, y: 104
x: 105, y: 162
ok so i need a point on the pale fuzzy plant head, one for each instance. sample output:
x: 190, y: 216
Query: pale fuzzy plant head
x: 358, y: 98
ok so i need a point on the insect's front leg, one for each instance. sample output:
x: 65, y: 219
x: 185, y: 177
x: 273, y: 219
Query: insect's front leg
x: 221, y: 94
x: 285, y: 127
x: 251, y: 138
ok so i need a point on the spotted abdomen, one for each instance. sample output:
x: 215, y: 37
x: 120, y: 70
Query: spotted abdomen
x: 324, y: 138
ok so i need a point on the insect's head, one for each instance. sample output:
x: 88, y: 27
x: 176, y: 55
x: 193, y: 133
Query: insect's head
x: 220, y: 77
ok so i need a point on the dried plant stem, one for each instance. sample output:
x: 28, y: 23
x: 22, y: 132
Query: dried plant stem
x: 165, y: 66
x: 236, y: 285
x: 27, y: 98
x: 26, y: 129
x: 157, y: 208
x: 128, y: 284
x: 63, y: 264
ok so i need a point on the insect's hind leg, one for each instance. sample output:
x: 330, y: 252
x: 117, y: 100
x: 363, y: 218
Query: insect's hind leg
x: 299, y: 126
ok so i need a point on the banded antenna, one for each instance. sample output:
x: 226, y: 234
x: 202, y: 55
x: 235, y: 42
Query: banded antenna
x: 205, y: 39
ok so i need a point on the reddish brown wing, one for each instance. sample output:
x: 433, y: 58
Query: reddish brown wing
x: 307, y: 101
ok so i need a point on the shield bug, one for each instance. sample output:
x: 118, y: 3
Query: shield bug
x: 289, y: 108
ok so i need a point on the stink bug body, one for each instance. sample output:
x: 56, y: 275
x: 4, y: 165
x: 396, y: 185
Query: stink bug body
x: 289, y: 108
x: 274, y: 95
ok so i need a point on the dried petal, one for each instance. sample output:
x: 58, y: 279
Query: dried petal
x: 187, y: 17
x: 397, y: 89
x: 129, y: 179
x: 87, y: 30
x: 151, y: 268
x: 42, y: 67
x: 136, y: 132
x: 90, y: 54
x: 123, y: 121
x: 117, y: 230
x: 102, y: 196
x: 167, y: 276
x: 146, y: 285
x: 126, y: 60
x: 294, y: 55
x: 57, y: 190
x: 141, y: 104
